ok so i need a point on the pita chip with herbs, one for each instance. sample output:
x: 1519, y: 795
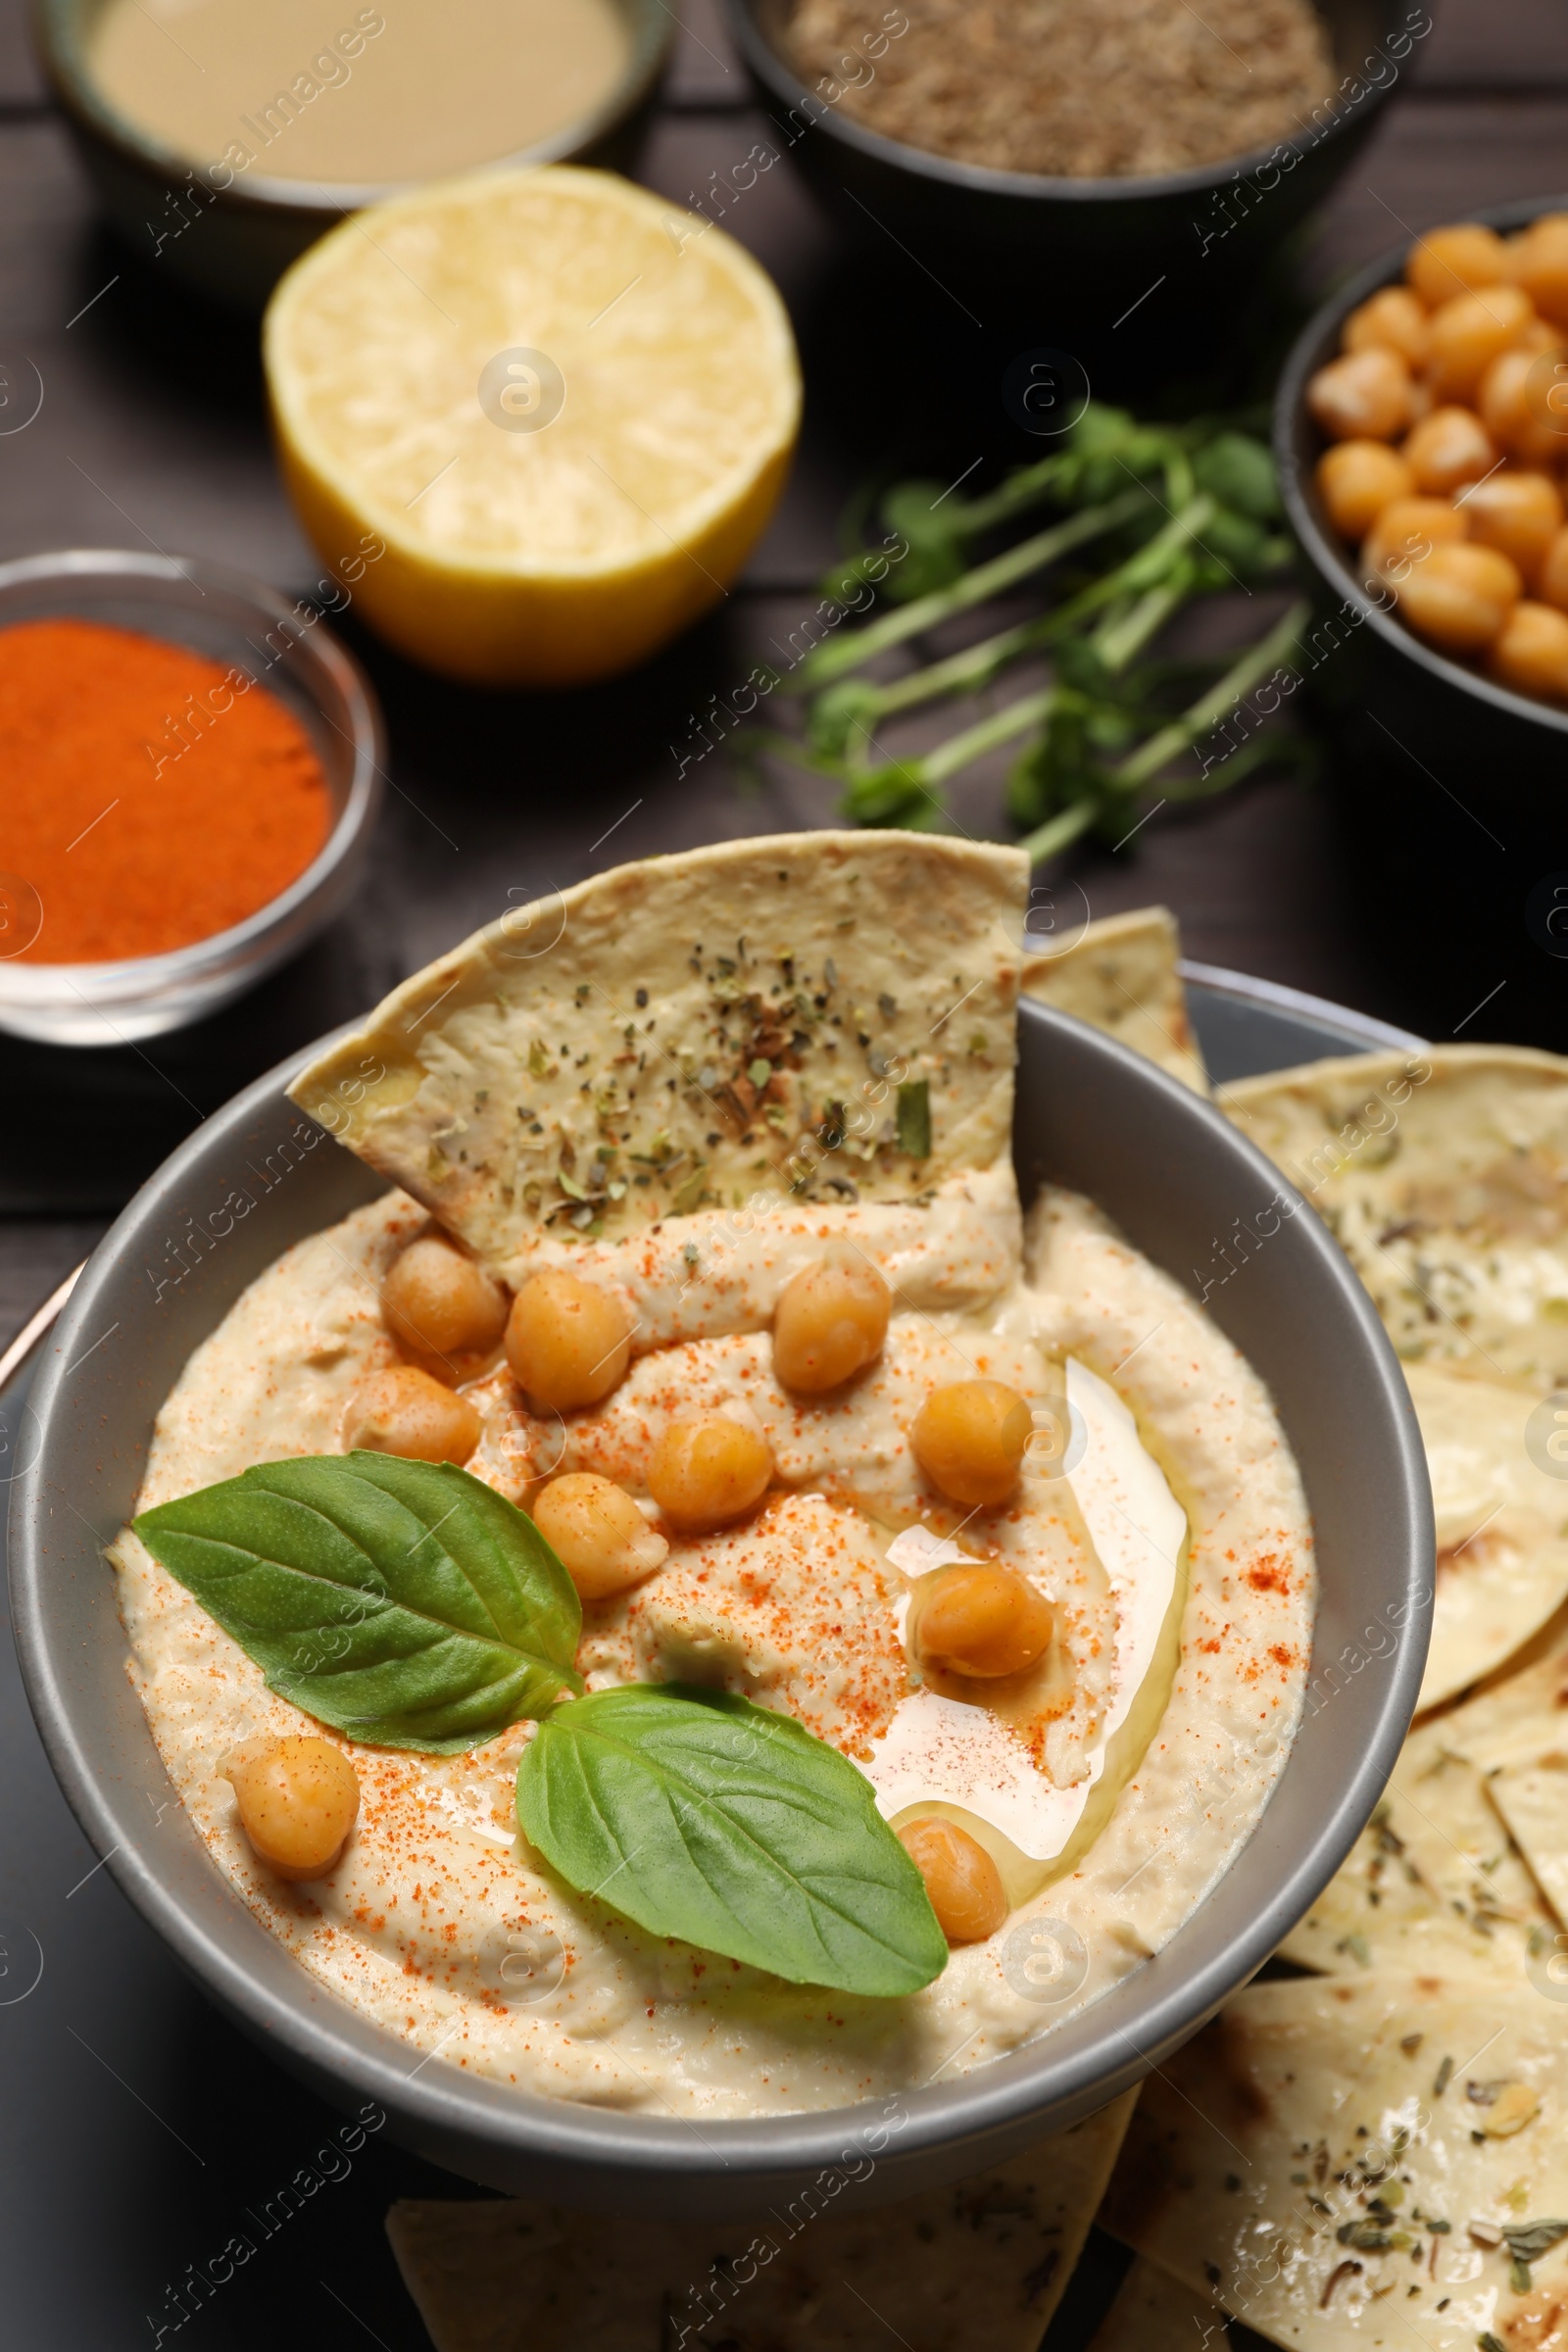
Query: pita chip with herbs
x: 1444, y: 1178
x: 823, y: 1014
x: 1378, y: 2160
x: 1503, y: 1558
x: 1120, y: 975
x: 1437, y: 1881
x: 976, y: 2267
x: 1533, y: 1801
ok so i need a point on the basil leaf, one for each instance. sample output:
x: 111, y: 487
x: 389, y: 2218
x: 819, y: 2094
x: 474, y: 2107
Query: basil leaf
x: 702, y: 1816
x: 403, y: 1602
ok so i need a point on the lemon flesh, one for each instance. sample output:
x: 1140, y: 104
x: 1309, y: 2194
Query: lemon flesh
x: 564, y: 407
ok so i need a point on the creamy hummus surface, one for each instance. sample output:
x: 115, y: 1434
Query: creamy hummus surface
x: 1160, y: 1512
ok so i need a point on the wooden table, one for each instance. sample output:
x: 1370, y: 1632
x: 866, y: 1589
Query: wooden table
x: 152, y: 434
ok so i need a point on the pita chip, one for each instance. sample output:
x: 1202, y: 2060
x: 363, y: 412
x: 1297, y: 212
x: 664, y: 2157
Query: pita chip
x: 1445, y: 1177
x: 1381, y: 1910
x: 1378, y: 2162
x: 975, y: 2268
x: 1155, y: 2313
x: 1120, y: 977
x: 1533, y: 1801
x: 1513, y: 1717
x: 822, y: 1015
x: 1436, y: 1881
x: 1502, y: 1560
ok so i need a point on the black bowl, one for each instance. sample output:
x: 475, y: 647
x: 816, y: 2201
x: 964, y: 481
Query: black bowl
x: 1450, y: 790
x: 248, y: 230
x: 1089, y: 246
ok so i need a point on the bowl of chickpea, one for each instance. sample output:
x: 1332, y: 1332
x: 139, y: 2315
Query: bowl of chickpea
x: 1421, y: 432
x: 1161, y: 1162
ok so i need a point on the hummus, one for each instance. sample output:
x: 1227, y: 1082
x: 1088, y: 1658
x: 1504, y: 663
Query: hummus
x: 1160, y: 1511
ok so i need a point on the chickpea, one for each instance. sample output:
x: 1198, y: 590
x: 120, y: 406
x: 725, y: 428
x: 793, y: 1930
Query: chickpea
x: 441, y: 1308
x: 1531, y: 653
x: 567, y: 1340
x: 968, y: 1439
x: 1460, y: 596
x: 1518, y: 514
x: 962, y: 1881
x: 830, y: 1322
x: 1471, y: 331
x: 298, y: 1799
x: 709, y: 1469
x: 1447, y: 449
x: 1447, y: 262
x: 407, y: 1412
x: 980, y: 1621
x: 1391, y: 321
x: 1515, y: 412
x: 1540, y: 265
x: 598, y: 1534
x: 1551, y: 584
x: 1365, y: 396
x: 1405, y: 533
x: 1358, y: 479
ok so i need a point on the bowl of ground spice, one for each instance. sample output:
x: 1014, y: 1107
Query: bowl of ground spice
x: 191, y: 767
x: 1091, y: 155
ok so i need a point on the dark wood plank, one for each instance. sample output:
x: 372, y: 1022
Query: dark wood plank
x: 703, y: 69
x: 151, y: 433
x: 22, y: 83
x: 38, y: 1256
x: 1435, y: 158
x: 1494, y: 45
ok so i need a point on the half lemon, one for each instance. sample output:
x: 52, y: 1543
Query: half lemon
x: 536, y: 420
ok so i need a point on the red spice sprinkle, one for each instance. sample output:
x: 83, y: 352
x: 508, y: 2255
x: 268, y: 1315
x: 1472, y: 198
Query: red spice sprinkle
x: 1267, y: 1575
x: 151, y: 798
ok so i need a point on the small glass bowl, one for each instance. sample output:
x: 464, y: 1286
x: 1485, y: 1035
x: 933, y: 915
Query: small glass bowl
x: 245, y: 625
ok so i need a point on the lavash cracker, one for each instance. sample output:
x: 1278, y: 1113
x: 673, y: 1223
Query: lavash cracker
x: 780, y: 1014
x: 1120, y: 975
x: 1436, y: 1881
x: 1445, y: 1177
x: 979, y: 2267
x: 1533, y: 1801
x: 1290, y: 2163
x: 1502, y: 1555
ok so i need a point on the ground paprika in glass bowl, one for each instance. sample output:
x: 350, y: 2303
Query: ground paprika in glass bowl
x: 193, y: 766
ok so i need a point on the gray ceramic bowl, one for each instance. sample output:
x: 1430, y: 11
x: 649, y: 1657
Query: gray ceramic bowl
x: 1174, y: 1174
x: 234, y: 243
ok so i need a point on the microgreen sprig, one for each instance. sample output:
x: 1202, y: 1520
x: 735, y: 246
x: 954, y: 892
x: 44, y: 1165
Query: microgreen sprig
x: 1173, y: 513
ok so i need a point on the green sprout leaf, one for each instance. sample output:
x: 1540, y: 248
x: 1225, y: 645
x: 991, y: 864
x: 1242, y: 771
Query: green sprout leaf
x: 894, y: 795
x: 1240, y: 473
x: 702, y: 1816
x: 404, y: 1603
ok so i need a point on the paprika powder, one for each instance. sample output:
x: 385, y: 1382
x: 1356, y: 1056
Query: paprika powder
x: 149, y: 796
